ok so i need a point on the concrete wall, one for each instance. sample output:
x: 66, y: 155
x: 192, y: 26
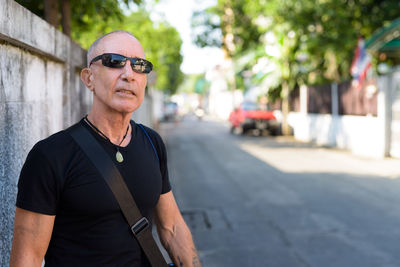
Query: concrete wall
x: 40, y: 93
x: 362, y: 135
x: 395, y: 113
x: 144, y: 114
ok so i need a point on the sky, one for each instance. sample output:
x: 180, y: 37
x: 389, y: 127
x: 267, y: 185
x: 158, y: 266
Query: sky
x: 178, y: 14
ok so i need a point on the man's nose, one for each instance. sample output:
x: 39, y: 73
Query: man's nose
x: 127, y: 72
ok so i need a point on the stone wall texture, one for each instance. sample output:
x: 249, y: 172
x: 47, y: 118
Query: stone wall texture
x: 40, y: 94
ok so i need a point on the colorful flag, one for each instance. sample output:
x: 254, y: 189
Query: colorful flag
x: 361, y: 63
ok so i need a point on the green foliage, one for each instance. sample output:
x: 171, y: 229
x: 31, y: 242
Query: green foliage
x: 316, y: 39
x: 206, y: 28
x: 226, y: 25
x: 35, y: 6
x: 274, y: 93
x: 86, y: 13
x: 327, y: 31
x: 194, y: 83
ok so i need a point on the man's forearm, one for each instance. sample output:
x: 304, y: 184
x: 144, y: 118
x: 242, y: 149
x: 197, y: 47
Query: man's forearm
x: 179, y: 244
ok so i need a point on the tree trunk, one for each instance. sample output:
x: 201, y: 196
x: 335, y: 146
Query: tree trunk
x: 66, y: 17
x: 51, y: 12
x: 228, y: 40
x: 285, y: 109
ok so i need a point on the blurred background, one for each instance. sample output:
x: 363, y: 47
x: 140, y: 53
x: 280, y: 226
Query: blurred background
x: 281, y: 117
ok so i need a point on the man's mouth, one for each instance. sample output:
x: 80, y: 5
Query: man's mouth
x: 125, y: 92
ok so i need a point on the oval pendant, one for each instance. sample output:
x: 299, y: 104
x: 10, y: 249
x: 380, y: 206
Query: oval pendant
x: 119, y: 157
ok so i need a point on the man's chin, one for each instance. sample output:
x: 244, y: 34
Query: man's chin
x: 127, y: 108
x: 127, y: 105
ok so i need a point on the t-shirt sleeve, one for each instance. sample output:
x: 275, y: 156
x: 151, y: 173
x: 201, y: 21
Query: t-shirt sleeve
x: 37, y: 185
x: 162, y: 155
x: 166, y: 186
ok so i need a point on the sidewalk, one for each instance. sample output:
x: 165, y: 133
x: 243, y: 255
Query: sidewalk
x: 303, y: 161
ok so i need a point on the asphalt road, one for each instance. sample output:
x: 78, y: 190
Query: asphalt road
x: 265, y: 201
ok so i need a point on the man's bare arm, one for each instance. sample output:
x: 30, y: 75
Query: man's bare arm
x: 32, y: 232
x: 174, y: 233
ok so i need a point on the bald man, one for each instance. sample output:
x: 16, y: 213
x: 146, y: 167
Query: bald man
x: 66, y: 215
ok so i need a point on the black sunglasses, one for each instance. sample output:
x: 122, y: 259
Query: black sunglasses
x: 116, y: 61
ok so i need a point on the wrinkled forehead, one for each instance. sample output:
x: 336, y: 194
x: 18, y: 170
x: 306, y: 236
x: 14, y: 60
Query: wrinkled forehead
x: 119, y: 43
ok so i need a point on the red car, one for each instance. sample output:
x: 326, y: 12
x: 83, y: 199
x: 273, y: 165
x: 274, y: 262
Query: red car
x: 252, y: 116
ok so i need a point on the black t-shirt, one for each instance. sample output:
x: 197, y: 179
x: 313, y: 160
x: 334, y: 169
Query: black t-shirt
x: 89, y: 229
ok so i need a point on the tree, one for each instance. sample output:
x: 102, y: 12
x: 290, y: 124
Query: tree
x: 315, y: 38
x: 328, y: 31
x: 76, y: 15
x: 228, y: 26
x: 320, y: 37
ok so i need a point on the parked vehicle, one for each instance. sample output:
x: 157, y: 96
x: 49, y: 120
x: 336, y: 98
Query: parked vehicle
x: 170, y: 111
x: 252, y: 116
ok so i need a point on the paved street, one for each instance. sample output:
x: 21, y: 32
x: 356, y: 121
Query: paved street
x: 264, y: 201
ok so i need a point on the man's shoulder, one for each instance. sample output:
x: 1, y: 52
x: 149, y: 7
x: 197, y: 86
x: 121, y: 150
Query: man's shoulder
x: 58, y: 142
x: 151, y: 132
x: 154, y: 138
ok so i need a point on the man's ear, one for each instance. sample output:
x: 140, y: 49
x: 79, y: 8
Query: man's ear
x: 87, y: 78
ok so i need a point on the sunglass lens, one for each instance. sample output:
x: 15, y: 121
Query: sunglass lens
x: 141, y: 65
x: 114, y: 61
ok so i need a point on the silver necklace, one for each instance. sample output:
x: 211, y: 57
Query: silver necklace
x: 118, y: 155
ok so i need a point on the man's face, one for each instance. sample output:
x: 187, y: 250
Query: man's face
x: 119, y: 90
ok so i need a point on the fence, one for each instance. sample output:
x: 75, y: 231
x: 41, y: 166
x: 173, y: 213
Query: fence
x: 349, y: 100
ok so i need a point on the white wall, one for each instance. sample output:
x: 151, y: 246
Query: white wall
x: 362, y: 135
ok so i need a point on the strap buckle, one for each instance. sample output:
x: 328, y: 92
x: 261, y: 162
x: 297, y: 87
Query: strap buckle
x: 139, y: 226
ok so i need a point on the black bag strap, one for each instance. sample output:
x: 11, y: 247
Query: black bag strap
x: 139, y: 225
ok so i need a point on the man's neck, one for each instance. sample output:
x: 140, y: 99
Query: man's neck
x: 112, y: 125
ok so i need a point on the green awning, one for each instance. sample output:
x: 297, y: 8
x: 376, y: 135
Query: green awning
x: 386, y: 39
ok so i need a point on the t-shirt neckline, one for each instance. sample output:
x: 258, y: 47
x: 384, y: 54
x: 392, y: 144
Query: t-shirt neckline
x: 107, y: 142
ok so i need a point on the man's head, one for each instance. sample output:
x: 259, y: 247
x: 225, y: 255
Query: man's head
x: 118, y: 86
